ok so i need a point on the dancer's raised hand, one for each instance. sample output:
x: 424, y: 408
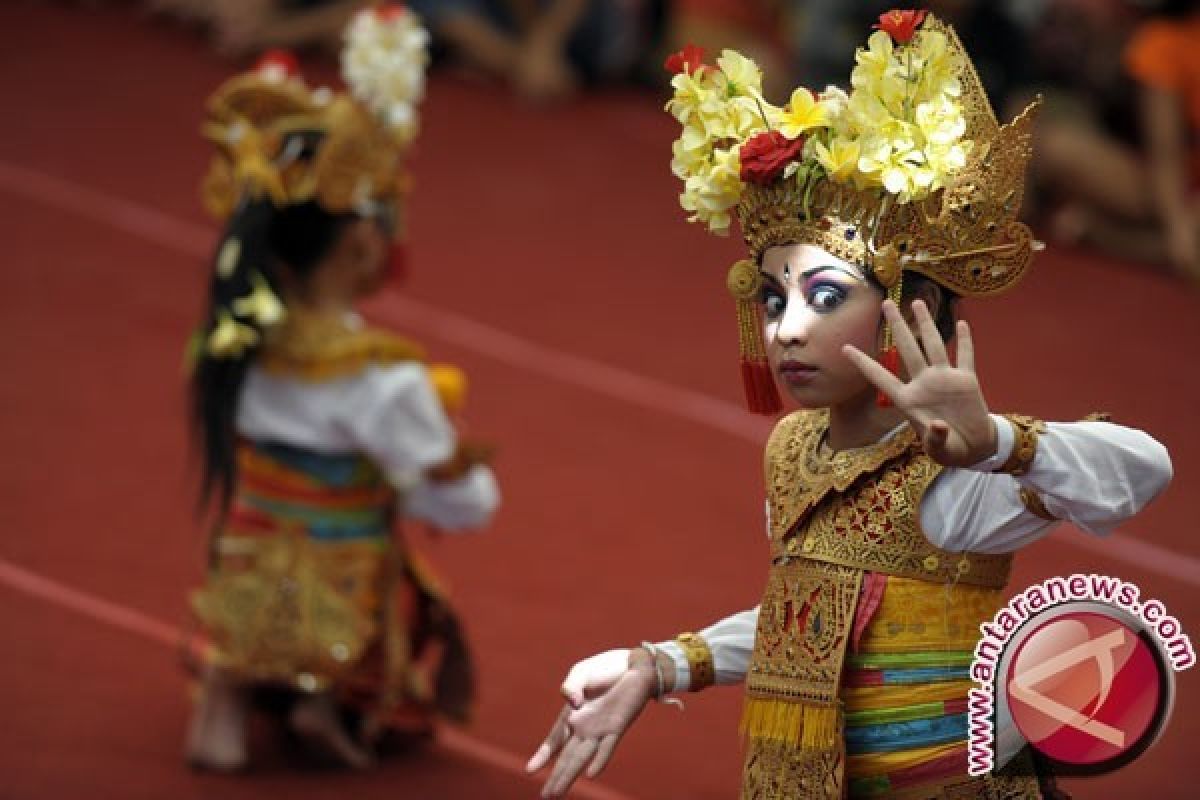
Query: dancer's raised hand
x: 942, y: 401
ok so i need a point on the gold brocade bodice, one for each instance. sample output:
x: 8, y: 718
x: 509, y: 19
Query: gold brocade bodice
x: 834, y: 518
x: 860, y: 508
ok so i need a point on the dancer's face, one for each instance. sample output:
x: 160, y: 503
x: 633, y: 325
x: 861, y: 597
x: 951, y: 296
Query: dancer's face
x: 813, y: 304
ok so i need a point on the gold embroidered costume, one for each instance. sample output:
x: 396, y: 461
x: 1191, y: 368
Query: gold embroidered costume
x: 310, y: 587
x: 838, y: 520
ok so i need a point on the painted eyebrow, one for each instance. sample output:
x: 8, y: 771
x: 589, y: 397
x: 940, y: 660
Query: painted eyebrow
x: 810, y: 272
x: 826, y: 267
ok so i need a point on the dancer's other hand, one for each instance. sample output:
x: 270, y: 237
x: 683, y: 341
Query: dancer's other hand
x: 605, y: 694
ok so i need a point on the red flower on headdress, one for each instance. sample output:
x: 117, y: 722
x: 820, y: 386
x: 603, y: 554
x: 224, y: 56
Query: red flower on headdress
x: 765, y: 155
x: 278, y: 62
x: 900, y: 25
x: 689, y: 60
x: 389, y: 11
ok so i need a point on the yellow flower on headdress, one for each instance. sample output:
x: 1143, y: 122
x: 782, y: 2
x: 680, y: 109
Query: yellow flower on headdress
x: 719, y: 107
x: 690, y: 152
x: 695, y: 97
x: 802, y: 113
x: 945, y: 161
x: 895, y: 164
x: 261, y: 304
x: 742, y: 76
x: 840, y: 158
x: 865, y: 115
x: 742, y: 117
x: 873, y: 63
x: 230, y: 338
x: 938, y: 69
x: 941, y: 121
x: 709, y: 195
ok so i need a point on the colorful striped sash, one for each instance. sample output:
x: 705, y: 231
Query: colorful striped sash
x: 905, y: 689
x: 331, y: 497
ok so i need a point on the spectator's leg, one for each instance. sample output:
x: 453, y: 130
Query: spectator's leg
x: 1086, y: 167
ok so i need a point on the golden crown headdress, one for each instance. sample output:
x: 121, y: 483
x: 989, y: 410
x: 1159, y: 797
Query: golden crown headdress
x: 278, y: 137
x: 908, y: 171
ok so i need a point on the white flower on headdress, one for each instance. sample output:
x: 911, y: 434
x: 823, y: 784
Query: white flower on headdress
x: 834, y: 101
x: 383, y: 63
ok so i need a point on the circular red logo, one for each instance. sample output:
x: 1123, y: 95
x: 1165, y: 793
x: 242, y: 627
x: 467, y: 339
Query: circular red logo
x: 1087, y: 690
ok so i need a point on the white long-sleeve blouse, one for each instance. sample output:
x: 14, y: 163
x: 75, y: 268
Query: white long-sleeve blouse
x: 391, y: 414
x: 1095, y: 475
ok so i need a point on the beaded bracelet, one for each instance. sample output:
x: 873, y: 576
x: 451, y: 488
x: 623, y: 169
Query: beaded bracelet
x: 661, y: 688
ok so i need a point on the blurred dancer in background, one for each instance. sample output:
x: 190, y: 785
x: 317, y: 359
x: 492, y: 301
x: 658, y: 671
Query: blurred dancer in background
x: 318, y: 434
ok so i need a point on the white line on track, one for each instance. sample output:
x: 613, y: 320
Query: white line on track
x: 131, y: 621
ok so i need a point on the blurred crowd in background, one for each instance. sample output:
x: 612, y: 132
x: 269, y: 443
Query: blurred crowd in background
x: 1117, y: 164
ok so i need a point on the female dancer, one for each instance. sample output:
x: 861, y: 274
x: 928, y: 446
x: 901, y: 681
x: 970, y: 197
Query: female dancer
x: 895, y: 498
x: 317, y: 433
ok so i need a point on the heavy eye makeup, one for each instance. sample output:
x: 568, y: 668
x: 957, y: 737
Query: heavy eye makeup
x: 826, y: 288
x: 772, y: 297
x: 823, y: 288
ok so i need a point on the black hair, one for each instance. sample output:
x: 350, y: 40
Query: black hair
x: 947, y: 307
x: 259, y: 239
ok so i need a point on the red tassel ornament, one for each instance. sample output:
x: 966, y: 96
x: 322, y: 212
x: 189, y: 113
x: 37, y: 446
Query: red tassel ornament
x: 890, y: 358
x: 762, y: 395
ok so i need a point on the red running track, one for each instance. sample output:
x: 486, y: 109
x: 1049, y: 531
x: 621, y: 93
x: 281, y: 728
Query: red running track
x: 551, y: 262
